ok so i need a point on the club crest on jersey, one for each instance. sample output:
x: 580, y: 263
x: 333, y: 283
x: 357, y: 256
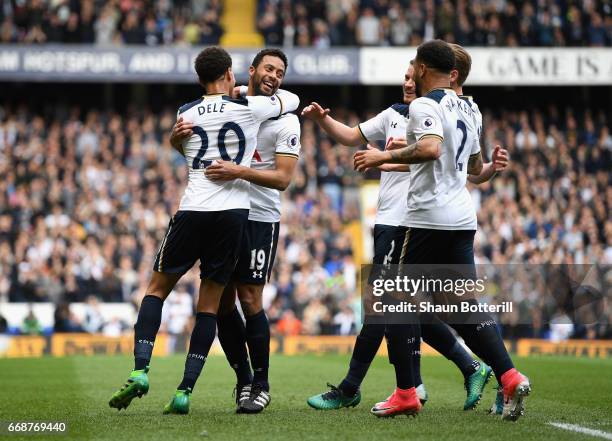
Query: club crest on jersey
x: 293, y: 141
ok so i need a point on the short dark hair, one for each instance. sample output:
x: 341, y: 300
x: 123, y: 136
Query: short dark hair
x: 212, y: 63
x: 463, y: 63
x: 272, y: 53
x: 437, y: 54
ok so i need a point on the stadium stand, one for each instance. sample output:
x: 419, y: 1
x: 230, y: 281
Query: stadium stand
x: 317, y: 23
x: 86, y: 196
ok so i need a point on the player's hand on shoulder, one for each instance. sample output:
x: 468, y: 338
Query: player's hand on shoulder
x: 223, y: 171
x: 181, y: 131
x: 500, y: 158
x: 315, y: 112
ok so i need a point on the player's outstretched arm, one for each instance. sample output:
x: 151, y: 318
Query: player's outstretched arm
x: 278, y: 179
x: 345, y: 135
x: 395, y: 144
x: 425, y: 150
x: 499, y: 162
x: 390, y: 167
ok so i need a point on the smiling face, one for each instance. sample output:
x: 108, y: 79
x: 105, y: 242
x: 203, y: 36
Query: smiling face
x: 268, y: 76
x: 419, y: 73
x: 409, y: 88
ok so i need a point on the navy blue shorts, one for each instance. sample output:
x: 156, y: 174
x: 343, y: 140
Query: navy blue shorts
x: 213, y: 237
x: 257, y: 253
x: 440, y: 247
x: 388, y: 241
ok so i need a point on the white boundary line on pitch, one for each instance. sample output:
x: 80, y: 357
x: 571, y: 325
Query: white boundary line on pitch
x: 585, y: 430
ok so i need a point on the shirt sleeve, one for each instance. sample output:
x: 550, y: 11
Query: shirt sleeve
x: 374, y: 128
x: 478, y: 121
x: 425, y: 120
x: 266, y: 107
x: 288, y: 138
x: 475, y: 146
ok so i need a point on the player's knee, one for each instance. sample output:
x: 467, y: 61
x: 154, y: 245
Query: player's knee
x: 161, y: 284
x: 250, y: 299
x: 228, y: 300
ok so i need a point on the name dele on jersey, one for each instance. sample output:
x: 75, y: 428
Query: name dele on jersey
x: 211, y: 107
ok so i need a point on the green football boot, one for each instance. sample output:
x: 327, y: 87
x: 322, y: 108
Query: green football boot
x: 334, y: 399
x: 136, y: 385
x: 179, y: 404
x: 498, y: 406
x: 475, y: 384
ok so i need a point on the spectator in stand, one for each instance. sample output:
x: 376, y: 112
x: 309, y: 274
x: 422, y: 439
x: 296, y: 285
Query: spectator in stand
x: 94, y: 321
x: 3, y: 325
x: 288, y: 324
x: 65, y: 320
x: 31, y: 325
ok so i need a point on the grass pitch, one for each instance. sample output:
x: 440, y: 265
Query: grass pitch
x: 76, y: 390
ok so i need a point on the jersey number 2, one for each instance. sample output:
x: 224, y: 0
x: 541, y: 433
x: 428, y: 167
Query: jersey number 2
x: 460, y: 126
x: 198, y: 162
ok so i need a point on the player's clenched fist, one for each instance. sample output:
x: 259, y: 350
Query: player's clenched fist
x: 181, y: 131
x: 367, y: 159
x: 500, y: 158
x: 315, y: 112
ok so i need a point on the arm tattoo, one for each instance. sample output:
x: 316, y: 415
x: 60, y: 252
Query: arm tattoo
x: 475, y: 164
x: 404, y: 155
x: 419, y: 152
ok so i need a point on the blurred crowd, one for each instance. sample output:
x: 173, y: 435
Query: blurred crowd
x: 318, y: 23
x: 86, y: 196
x: 325, y: 23
x: 114, y: 22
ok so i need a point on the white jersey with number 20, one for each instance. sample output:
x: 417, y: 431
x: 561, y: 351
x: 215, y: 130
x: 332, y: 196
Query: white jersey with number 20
x: 225, y: 129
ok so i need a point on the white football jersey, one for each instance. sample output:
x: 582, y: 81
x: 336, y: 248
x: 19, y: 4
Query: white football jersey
x: 276, y: 137
x: 390, y: 123
x: 476, y: 110
x: 225, y: 130
x: 438, y: 198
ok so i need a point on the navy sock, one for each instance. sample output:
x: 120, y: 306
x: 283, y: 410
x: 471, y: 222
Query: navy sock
x: 258, y: 340
x: 438, y: 335
x: 232, y: 336
x: 486, y: 341
x: 400, y: 344
x: 367, y: 344
x: 145, y: 330
x: 416, y: 362
x: 202, y: 337
x: 463, y: 360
